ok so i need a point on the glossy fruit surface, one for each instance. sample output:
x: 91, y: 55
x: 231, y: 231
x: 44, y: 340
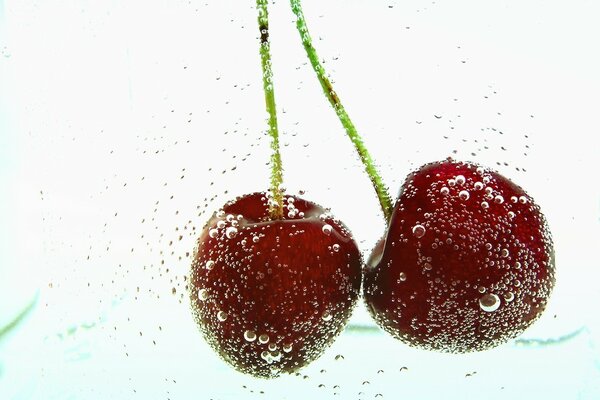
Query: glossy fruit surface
x: 271, y: 295
x: 467, y: 262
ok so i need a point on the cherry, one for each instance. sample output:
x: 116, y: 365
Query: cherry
x: 270, y: 295
x: 466, y: 264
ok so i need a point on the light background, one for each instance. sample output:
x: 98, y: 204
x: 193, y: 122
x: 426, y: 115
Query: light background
x: 124, y: 125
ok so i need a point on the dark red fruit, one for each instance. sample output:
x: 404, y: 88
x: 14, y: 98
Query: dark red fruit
x: 467, y: 262
x: 271, y: 295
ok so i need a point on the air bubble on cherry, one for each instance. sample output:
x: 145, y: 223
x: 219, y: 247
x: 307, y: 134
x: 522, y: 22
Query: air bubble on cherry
x: 209, y: 264
x: 202, y: 294
x: 231, y: 232
x: 463, y: 195
x: 498, y: 199
x: 264, y: 338
x: 444, y: 191
x: 460, y: 180
x: 485, y: 205
x: 509, y: 296
x: 327, y: 316
x: 489, y: 302
x: 504, y: 253
x: 221, y: 316
x: 287, y: 347
x: 213, y: 233
x: 402, y: 277
x: 418, y: 231
x: 250, y: 336
x: 478, y: 185
x: 336, y: 247
x: 327, y: 229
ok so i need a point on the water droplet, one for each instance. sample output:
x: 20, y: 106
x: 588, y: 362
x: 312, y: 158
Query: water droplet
x: 221, y: 316
x: 402, y: 277
x: 327, y: 229
x: 460, y: 180
x: 489, y: 302
x: 231, y: 232
x: 250, y: 336
x: 202, y: 294
x: 463, y: 195
x: 264, y: 338
x: 418, y: 231
x: 444, y: 190
x: 213, y: 233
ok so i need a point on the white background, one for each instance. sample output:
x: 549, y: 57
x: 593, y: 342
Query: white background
x: 124, y: 125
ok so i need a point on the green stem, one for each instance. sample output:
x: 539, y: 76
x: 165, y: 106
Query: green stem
x: 275, y: 206
x: 381, y: 190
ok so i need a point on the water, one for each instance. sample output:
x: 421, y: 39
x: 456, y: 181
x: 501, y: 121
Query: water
x: 130, y: 138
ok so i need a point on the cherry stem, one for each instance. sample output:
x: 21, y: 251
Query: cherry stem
x: 380, y: 188
x: 276, y: 205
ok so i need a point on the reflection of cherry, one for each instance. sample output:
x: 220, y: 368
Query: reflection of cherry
x: 466, y: 263
x: 271, y: 295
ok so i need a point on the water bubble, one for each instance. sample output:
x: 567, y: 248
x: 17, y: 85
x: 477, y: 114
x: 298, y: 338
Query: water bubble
x: 272, y: 347
x: 210, y: 264
x: 513, y: 199
x: 250, y: 336
x: 511, y: 214
x: 485, y: 205
x: 231, y: 232
x: 480, y: 170
x: 336, y: 247
x: 255, y: 239
x: 326, y: 316
x: 220, y: 214
x: 504, y: 253
x: 489, y: 302
x: 498, y: 199
x: 221, y: 224
x: 509, y: 296
x: 451, y: 182
x: 402, y: 277
x: 221, y: 316
x: 488, y: 246
x: 202, y: 294
x: 444, y: 190
x: 290, y: 200
x: 517, y: 265
x: 478, y: 186
x: 327, y: 229
x: 427, y: 267
x: 460, y: 180
x: 213, y: 233
x: 418, y: 231
x: 523, y: 200
x: 287, y: 347
x: 463, y: 195
x: 264, y: 338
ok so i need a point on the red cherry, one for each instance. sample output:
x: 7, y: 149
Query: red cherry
x: 467, y: 262
x: 271, y: 295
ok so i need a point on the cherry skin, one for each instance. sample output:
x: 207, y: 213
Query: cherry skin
x: 467, y: 262
x: 270, y: 295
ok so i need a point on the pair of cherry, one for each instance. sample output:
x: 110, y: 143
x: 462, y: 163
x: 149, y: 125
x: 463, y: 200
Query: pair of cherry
x: 466, y: 262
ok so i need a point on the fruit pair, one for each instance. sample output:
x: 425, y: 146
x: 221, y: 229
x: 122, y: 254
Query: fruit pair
x: 466, y: 262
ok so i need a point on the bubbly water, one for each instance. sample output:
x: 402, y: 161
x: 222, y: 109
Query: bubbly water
x: 125, y: 125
